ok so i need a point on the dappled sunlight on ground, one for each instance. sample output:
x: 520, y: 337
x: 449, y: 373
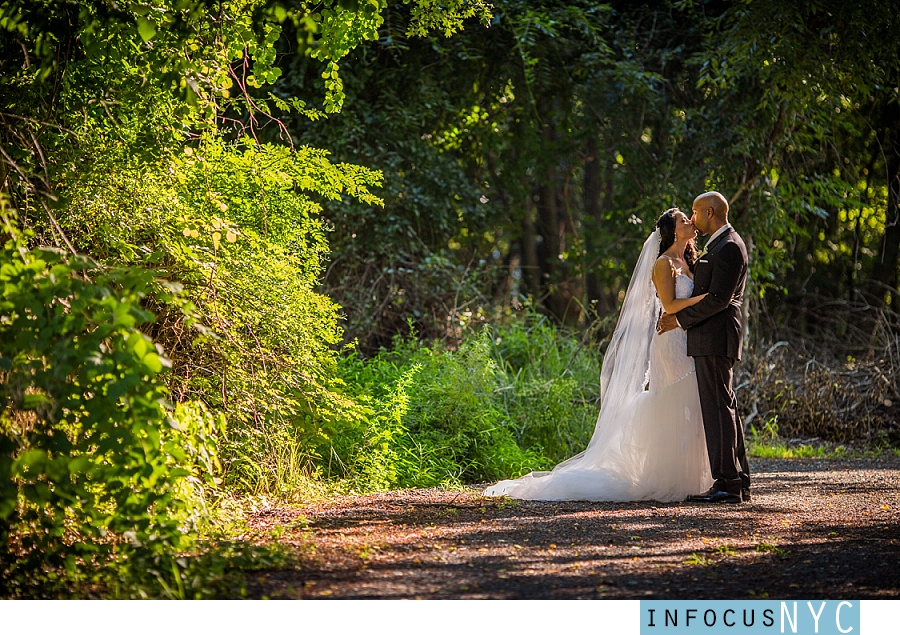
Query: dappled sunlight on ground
x: 818, y: 528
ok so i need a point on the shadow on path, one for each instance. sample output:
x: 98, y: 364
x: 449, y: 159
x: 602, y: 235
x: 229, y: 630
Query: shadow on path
x: 815, y: 528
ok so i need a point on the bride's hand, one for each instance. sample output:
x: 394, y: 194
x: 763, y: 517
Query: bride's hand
x: 666, y: 323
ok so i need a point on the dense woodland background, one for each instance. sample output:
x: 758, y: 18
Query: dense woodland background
x: 259, y: 248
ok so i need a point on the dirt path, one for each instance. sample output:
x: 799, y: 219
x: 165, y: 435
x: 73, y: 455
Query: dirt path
x: 815, y: 529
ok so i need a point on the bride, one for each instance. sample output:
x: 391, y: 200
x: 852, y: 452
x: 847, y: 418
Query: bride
x: 648, y: 443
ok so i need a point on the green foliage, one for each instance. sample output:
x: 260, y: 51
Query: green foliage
x: 824, y: 76
x: 454, y: 420
x: 766, y: 443
x: 94, y: 463
x: 526, y: 160
x: 448, y: 17
x: 509, y: 400
x: 437, y: 408
x: 553, y: 388
x: 772, y: 547
x: 542, y: 149
x: 330, y: 29
x: 57, y: 57
x: 104, y: 480
x: 239, y: 226
x: 699, y: 560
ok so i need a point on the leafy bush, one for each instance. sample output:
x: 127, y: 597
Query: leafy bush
x: 510, y: 400
x: 433, y: 422
x: 239, y: 226
x: 553, y: 386
x: 96, y: 468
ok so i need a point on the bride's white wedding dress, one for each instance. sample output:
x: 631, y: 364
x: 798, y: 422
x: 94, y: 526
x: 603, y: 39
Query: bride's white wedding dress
x: 648, y: 443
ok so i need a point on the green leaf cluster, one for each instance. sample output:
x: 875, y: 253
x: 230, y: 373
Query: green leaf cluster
x: 96, y: 466
x: 239, y: 227
x: 130, y: 134
x: 512, y: 399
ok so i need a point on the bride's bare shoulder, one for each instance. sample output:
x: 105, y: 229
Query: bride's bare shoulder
x: 663, y: 271
x: 664, y: 264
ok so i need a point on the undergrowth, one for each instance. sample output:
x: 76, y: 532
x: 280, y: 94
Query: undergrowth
x: 766, y: 442
x: 511, y: 399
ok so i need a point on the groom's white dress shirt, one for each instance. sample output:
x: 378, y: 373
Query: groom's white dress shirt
x: 724, y: 228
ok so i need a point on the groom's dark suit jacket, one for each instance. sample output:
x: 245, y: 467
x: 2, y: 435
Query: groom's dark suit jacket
x: 714, y: 324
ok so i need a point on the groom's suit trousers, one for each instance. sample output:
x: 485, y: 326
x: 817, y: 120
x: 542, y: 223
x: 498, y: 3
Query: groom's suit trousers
x: 724, y: 432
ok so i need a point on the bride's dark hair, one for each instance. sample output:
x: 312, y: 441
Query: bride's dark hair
x: 666, y: 227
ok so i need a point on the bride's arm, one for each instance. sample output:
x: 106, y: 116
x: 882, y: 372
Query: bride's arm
x: 664, y: 280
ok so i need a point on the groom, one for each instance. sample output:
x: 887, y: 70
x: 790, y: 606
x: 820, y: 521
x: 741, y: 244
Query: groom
x: 714, y: 335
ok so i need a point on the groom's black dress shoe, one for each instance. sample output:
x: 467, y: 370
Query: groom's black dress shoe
x: 713, y: 495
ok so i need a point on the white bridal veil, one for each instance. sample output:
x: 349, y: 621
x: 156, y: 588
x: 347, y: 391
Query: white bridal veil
x: 626, y: 365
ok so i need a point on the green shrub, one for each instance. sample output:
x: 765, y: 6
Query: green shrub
x: 98, y: 474
x: 240, y: 226
x: 433, y: 418
x: 552, y: 388
x: 511, y: 399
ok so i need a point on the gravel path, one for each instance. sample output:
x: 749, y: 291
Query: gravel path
x: 815, y: 529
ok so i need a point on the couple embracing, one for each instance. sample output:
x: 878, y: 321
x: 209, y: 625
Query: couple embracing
x: 668, y: 427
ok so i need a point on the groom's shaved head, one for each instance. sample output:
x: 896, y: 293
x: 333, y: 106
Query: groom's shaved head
x: 712, y: 200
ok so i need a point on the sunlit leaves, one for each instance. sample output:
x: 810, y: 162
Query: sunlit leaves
x: 85, y: 448
x: 446, y: 17
x: 146, y: 28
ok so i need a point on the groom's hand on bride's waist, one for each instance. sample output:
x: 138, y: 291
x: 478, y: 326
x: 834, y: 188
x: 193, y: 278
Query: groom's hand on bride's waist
x: 666, y: 323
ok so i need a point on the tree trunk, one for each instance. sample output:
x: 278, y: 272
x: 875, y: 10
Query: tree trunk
x: 548, y: 250
x: 884, y: 273
x: 593, y: 221
x: 531, y: 268
x: 571, y: 274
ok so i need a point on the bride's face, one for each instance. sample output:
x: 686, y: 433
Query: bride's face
x: 684, y: 228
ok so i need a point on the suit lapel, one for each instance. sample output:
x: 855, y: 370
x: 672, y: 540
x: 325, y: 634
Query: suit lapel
x: 718, y: 241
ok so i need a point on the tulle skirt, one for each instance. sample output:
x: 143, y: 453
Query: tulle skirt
x: 651, y: 448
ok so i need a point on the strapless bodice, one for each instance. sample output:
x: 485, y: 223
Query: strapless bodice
x: 684, y: 286
x: 668, y: 352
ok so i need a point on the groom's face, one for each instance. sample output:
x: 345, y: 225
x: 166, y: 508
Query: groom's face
x: 701, y: 218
